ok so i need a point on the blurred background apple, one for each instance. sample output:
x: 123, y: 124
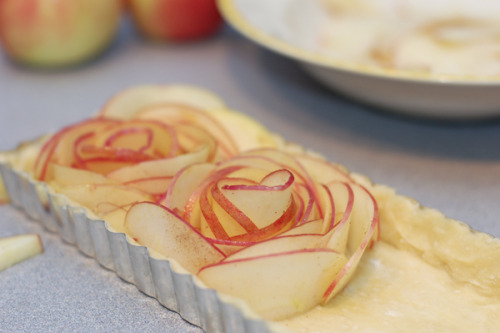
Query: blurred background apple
x: 176, y: 20
x: 53, y: 33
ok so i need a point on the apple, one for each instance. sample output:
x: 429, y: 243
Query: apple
x: 54, y: 33
x: 176, y: 20
x: 15, y: 249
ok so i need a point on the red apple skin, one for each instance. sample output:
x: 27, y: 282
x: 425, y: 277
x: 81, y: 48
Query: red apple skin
x: 57, y: 33
x: 176, y: 20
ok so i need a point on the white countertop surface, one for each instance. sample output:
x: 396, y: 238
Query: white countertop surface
x: 454, y: 168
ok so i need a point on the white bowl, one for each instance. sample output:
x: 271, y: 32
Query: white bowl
x: 459, y: 81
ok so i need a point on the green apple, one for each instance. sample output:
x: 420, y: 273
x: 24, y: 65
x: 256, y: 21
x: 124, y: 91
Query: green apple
x: 53, y: 33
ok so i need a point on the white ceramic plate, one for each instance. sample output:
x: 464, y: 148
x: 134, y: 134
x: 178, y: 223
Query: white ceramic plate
x: 438, y: 59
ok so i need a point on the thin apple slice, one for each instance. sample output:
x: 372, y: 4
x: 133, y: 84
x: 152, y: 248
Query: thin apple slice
x: 93, y: 196
x: 281, y: 244
x: 279, y: 285
x: 321, y: 170
x: 314, y: 227
x: 184, y: 184
x: 338, y: 235
x: 156, y: 186
x: 4, y: 197
x: 128, y: 102
x: 67, y: 176
x: 166, y: 167
x: 158, y: 228
x: 15, y: 249
x: 362, y: 229
x: 245, y: 131
x: 116, y: 218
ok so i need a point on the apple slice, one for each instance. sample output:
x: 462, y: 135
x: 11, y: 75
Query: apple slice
x: 321, y: 170
x: 116, y: 218
x: 277, y: 286
x: 165, y: 167
x: 93, y: 196
x: 128, y: 102
x: 281, y: 244
x: 70, y: 176
x: 156, y: 186
x: 338, y: 235
x: 4, y: 197
x: 245, y: 131
x: 15, y: 249
x: 363, y: 225
x: 313, y: 227
x: 158, y: 228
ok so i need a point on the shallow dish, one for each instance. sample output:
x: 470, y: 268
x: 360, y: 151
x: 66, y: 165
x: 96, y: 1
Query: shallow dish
x: 302, y: 30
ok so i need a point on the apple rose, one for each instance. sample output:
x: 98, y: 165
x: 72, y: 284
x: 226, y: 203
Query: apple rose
x: 284, y: 231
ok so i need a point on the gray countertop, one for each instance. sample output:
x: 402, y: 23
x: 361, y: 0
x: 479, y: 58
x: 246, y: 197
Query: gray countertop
x: 453, y: 167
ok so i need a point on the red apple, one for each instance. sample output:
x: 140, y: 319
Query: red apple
x: 51, y: 33
x: 176, y: 20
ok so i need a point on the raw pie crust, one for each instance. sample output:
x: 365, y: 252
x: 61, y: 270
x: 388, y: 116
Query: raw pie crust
x: 428, y: 273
